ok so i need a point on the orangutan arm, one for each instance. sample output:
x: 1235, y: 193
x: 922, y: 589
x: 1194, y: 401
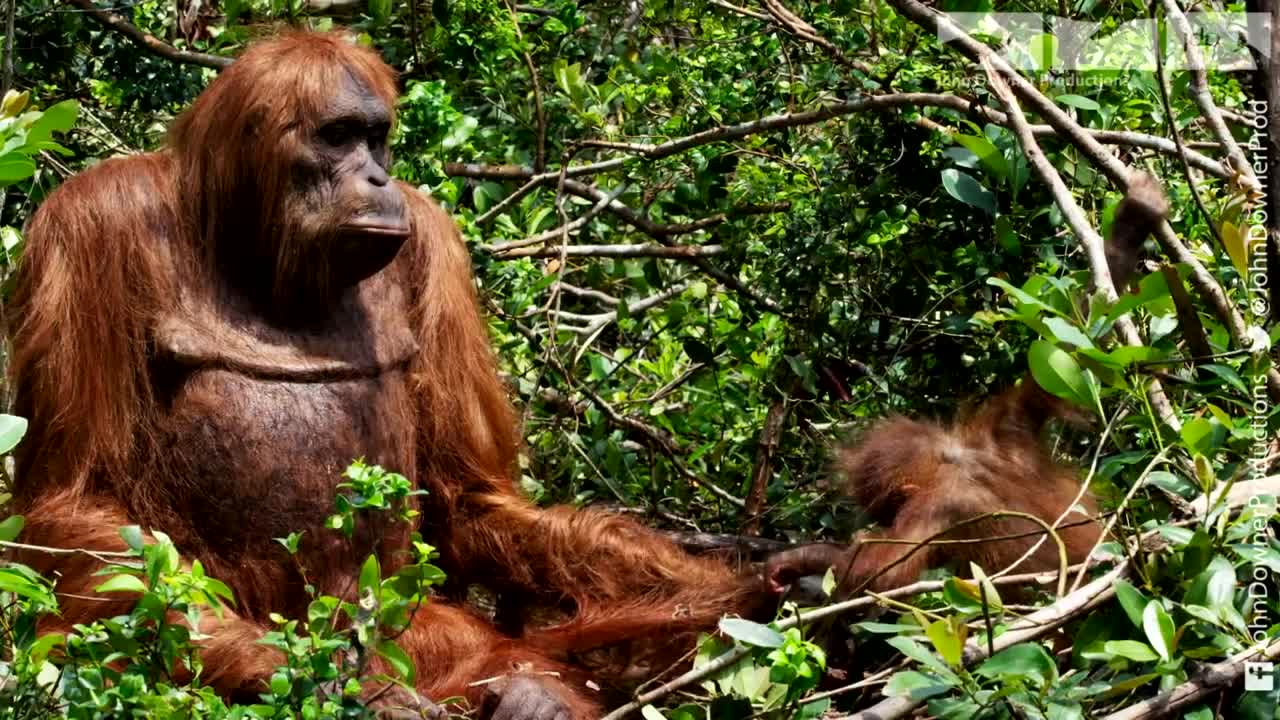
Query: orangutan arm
x: 584, y: 554
x: 485, y: 530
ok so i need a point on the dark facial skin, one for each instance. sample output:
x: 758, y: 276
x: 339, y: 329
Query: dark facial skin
x: 344, y: 179
x: 520, y: 697
x: 801, y: 566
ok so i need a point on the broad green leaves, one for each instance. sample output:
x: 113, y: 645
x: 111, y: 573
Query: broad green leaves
x: 1057, y: 372
x: 964, y: 188
x: 12, y: 428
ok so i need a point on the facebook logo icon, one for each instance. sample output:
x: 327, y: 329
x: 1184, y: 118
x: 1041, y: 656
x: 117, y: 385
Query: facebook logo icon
x: 1259, y: 677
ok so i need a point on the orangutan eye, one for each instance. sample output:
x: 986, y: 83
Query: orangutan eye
x: 339, y: 133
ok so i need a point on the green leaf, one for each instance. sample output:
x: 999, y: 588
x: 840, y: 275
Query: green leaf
x: 132, y: 536
x: 1203, y: 435
x: 1066, y: 332
x: 398, y: 659
x: 1079, y: 102
x: 380, y: 10
x: 14, y: 103
x: 12, y: 428
x: 122, y: 583
x: 946, y: 641
x: 1175, y: 484
x: 57, y: 118
x: 280, y: 684
x: 11, y: 581
x: 1059, y: 374
x: 1043, y: 49
x: 9, y: 238
x: 370, y: 575
x: 1237, y: 246
x: 1019, y: 295
x: 964, y: 188
x: 751, y: 633
x: 460, y: 132
x: 220, y: 589
x: 917, y: 652
x: 1132, y: 600
x: 1215, y: 587
x: 1131, y: 649
x: 1158, y: 627
x: 15, y: 167
x: 1197, y: 553
x: 829, y: 582
x: 915, y: 685
x: 988, y: 153
x: 10, y: 528
x: 1007, y: 236
x: 41, y: 648
x: 1023, y: 660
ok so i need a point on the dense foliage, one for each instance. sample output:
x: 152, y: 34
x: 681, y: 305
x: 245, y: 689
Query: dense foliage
x: 714, y: 239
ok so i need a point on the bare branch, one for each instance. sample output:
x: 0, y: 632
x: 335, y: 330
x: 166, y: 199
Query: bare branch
x: 627, y: 251
x: 1095, y: 248
x: 540, y: 116
x: 595, y: 322
x: 774, y: 422
x: 559, y: 232
x: 581, y: 292
x: 1204, y: 99
x: 783, y: 121
x: 149, y: 42
x: 741, y: 10
x: 1111, y: 166
x: 795, y: 25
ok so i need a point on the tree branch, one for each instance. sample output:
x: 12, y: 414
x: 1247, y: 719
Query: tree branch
x: 1095, y: 248
x: 625, y: 251
x: 872, y: 103
x: 149, y: 42
x: 1112, y: 167
x: 1204, y: 99
x: 1218, y: 676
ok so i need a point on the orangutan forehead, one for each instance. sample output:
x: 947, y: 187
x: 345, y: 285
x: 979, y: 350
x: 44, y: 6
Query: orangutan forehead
x: 355, y: 100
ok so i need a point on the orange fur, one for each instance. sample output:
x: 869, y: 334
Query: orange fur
x: 129, y: 250
x: 918, y: 478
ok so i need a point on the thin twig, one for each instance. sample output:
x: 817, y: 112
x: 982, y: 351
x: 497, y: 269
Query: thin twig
x: 625, y: 251
x: 1094, y: 247
x: 501, y: 249
x: 540, y: 151
x: 1200, y: 92
x: 6, y: 76
x: 1124, y: 503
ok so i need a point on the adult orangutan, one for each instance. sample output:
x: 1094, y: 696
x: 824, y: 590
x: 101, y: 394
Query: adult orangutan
x: 207, y: 335
x: 917, y: 478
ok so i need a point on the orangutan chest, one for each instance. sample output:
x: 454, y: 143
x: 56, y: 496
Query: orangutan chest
x: 266, y: 455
